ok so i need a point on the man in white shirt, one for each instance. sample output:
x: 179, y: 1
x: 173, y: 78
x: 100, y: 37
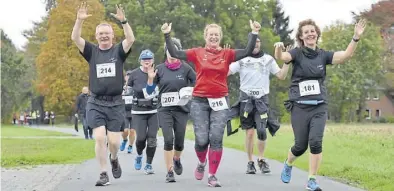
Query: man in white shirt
x: 254, y: 74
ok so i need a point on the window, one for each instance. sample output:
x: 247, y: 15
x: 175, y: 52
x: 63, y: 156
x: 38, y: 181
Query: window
x: 378, y: 113
x: 367, y: 114
x: 368, y: 96
x: 376, y: 96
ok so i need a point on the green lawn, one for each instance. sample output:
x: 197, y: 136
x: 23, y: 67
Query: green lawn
x: 22, y: 152
x: 17, y: 131
x: 356, y: 154
x: 18, y: 152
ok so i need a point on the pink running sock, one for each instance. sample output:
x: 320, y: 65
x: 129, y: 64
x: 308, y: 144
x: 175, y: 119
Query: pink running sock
x: 214, y: 160
x: 202, y: 155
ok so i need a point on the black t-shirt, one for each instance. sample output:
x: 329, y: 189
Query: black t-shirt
x: 105, y: 69
x: 138, y: 81
x: 173, y: 80
x: 308, y: 75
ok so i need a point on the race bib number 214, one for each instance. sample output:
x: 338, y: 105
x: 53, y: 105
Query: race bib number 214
x: 106, y: 70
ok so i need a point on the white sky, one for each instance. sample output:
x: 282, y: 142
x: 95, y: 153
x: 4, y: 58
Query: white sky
x: 17, y: 15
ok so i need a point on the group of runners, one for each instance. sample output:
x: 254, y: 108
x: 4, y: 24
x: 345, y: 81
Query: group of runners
x: 164, y: 96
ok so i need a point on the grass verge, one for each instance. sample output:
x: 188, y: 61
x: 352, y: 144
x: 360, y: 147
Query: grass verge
x: 18, y: 131
x: 18, y: 152
x: 358, y: 154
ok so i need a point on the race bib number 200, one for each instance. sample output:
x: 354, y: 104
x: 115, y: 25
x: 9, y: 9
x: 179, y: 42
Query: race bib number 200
x: 309, y: 87
x: 106, y: 70
x: 218, y: 104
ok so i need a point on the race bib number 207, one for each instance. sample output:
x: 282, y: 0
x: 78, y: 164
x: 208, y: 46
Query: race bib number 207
x: 309, y: 87
x: 106, y: 70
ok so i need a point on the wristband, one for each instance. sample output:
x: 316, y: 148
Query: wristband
x: 124, y: 22
x: 355, y: 40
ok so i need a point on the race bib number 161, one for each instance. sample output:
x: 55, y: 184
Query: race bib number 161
x: 218, y: 104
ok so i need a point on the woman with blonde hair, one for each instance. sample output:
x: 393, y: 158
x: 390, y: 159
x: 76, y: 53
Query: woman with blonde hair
x: 209, y: 105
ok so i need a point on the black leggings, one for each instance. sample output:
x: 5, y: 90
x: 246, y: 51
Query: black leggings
x: 146, y: 126
x: 173, y: 122
x: 308, y: 122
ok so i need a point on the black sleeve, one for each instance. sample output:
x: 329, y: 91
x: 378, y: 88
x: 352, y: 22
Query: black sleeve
x: 77, y: 104
x: 191, y: 75
x: 242, y: 53
x: 329, y: 57
x: 130, y: 81
x: 180, y: 54
x: 87, y: 51
x: 123, y: 55
x: 294, y: 54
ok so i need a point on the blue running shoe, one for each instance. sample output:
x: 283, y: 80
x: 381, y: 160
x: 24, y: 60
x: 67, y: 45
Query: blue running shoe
x: 148, y: 169
x: 123, y: 145
x: 130, y: 149
x: 286, y: 173
x: 312, y: 185
x: 138, y: 162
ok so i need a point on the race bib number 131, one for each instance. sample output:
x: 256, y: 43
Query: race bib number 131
x: 309, y: 87
x: 218, y: 104
x: 106, y: 70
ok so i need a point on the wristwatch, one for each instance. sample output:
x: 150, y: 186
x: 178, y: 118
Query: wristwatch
x: 124, y: 22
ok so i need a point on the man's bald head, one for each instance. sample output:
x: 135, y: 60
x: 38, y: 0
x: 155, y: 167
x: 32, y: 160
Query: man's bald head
x: 85, y: 90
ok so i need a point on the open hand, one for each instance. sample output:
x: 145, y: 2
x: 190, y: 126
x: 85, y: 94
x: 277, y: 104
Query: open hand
x: 152, y: 72
x: 255, y: 26
x: 119, y: 13
x: 279, y: 45
x: 82, y: 13
x: 359, y: 28
x: 166, y: 28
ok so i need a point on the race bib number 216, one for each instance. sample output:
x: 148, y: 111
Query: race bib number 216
x: 218, y: 104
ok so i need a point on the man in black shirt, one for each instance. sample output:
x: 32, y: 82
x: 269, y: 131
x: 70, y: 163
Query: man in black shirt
x: 82, y: 100
x: 105, y: 109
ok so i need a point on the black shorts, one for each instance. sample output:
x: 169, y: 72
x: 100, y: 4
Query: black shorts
x: 249, y: 122
x: 112, y: 117
x: 127, y: 123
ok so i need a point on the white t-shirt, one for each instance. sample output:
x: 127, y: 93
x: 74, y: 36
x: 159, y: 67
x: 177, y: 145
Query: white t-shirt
x: 254, y: 72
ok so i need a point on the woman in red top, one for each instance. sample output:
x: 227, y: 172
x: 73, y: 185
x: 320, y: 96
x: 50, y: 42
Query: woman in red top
x: 209, y: 106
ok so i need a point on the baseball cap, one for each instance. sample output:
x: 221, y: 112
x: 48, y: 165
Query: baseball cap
x: 146, y: 55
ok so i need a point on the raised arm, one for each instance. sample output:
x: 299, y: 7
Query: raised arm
x: 342, y: 56
x: 282, y: 74
x: 128, y: 32
x: 242, y: 53
x: 77, y: 30
x: 180, y: 54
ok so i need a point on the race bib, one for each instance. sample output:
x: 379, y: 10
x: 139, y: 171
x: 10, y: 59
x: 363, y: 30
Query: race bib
x: 257, y: 92
x: 169, y: 99
x: 218, y: 104
x: 128, y: 99
x: 309, y: 87
x: 106, y: 70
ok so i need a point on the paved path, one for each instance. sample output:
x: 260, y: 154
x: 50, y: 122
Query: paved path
x: 231, y: 174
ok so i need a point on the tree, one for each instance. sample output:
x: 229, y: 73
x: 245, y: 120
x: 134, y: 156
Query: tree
x: 281, y: 24
x: 61, y: 70
x: 348, y: 83
x: 11, y: 70
x: 382, y: 15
